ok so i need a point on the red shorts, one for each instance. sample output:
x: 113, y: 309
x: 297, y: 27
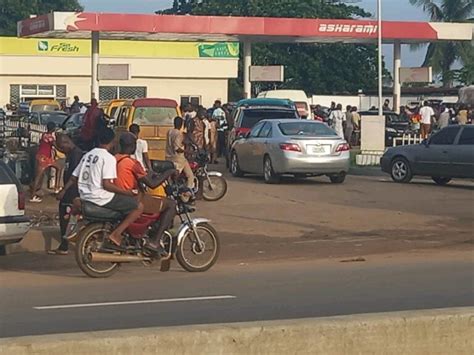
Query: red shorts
x: 44, y: 162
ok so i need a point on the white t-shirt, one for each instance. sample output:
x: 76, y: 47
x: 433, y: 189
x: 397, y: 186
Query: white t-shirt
x: 426, y: 113
x: 94, y: 167
x: 142, y: 147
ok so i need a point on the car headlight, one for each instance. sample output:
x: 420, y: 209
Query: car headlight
x: 391, y: 130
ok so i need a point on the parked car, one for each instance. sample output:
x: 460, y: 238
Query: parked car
x: 245, y: 117
x: 13, y: 222
x: 43, y: 117
x: 445, y: 155
x: 299, y: 97
x: 287, y: 146
x: 395, y: 125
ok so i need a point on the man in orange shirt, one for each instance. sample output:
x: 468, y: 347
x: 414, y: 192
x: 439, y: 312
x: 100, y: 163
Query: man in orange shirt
x: 130, y: 174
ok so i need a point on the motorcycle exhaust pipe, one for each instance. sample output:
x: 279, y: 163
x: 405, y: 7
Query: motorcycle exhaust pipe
x: 117, y: 258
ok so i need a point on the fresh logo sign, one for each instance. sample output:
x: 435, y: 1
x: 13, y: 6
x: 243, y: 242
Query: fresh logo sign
x: 62, y: 47
x: 340, y: 28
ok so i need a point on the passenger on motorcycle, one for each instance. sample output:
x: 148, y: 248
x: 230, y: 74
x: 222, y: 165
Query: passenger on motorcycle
x: 95, y: 176
x: 130, y: 174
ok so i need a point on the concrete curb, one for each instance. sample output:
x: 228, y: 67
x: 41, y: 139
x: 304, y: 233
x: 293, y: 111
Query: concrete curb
x: 439, y: 331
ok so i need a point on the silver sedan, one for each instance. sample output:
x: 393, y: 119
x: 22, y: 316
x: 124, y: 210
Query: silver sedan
x: 300, y: 148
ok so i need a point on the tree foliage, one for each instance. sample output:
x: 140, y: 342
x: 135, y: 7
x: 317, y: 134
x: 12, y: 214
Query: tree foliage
x: 443, y: 55
x: 316, y: 68
x: 12, y: 11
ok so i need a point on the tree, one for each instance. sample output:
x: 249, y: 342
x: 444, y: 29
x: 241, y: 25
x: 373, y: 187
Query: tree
x: 317, y: 68
x: 12, y: 11
x: 443, y: 55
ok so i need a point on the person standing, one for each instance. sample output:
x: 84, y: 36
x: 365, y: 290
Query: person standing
x: 220, y: 116
x: 91, y: 126
x: 76, y: 105
x: 356, y: 120
x: 349, y: 125
x: 462, y: 116
x: 175, y: 151
x: 44, y: 161
x: 212, y: 147
x: 427, y: 115
x: 337, y: 117
x: 141, y: 153
x: 444, y: 117
x: 70, y: 192
x: 386, y: 105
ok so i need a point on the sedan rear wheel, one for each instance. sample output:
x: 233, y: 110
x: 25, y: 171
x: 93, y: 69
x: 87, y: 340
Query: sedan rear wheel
x: 338, y: 179
x: 401, y: 170
x: 234, y: 166
x: 268, y: 172
x: 441, y: 180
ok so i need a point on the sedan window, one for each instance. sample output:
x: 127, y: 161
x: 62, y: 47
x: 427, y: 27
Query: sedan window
x: 467, y: 136
x: 266, y: 131
x: 256, y: 130
x: 445, y: 136
x: 308, y: 129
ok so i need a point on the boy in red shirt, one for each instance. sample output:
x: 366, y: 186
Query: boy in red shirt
x: 130, y: 173
x: 44, y: 160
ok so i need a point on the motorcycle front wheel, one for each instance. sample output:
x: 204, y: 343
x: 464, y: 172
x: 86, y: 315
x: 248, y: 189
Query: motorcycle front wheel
x: 90, y: 240
x: 195, y: 256
x: 214, y: 188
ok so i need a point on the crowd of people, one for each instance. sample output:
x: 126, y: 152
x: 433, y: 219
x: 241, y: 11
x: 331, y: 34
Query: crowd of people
x: 92, y: 173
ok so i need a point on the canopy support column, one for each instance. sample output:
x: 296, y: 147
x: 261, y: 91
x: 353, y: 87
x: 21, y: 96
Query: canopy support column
x: 397, y: 88
x: 247, y: 64
x: 94, y: 65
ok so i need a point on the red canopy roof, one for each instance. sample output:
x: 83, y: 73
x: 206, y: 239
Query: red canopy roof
x: 227, y: 28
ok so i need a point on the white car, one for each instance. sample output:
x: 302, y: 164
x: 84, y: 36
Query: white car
x: 13, y: 222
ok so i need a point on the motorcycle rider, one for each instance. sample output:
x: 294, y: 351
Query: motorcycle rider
x: 95, y: 176
x: 130, y: 174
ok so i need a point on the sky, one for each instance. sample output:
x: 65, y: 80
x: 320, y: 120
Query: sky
x: 400, y: 10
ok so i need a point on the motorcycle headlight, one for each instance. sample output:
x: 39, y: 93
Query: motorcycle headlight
x: 391, y: 130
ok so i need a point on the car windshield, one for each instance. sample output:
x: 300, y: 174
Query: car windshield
x: 75, y: 120
x: 57, y: 118
x: 307, y: 129
x: 252, y: 117
x: 159, y: 116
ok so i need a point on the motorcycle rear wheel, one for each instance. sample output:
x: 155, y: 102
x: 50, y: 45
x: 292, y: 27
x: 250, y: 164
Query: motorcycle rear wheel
x: 199, y: 258
x: 90, y: 240
x: 215, y: 190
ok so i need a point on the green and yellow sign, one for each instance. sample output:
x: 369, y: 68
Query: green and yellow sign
x: 123, y: 49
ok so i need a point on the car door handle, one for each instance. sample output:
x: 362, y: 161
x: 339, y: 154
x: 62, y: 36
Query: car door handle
x: 445, y: 151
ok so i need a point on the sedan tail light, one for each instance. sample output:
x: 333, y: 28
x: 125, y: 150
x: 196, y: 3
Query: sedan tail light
x: 290, y: 147
x: 343, y: 147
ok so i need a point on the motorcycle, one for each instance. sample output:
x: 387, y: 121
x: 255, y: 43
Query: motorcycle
x: 195, y: 246
x: 212, y: 183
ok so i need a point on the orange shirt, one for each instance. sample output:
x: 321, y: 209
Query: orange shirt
x: 129, y: 171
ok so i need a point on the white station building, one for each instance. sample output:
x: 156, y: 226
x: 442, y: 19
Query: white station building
x: 61, y: 68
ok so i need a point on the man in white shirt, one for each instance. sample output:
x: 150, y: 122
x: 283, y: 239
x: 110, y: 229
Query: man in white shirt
x: 427, y: 114
x: 95, y: 177
x: 141, y: 153
x: 219, y: 115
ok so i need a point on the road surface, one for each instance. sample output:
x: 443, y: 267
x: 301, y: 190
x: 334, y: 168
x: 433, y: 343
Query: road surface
x: 144, y: 297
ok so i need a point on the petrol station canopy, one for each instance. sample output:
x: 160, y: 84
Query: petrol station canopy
x: 240, y: 29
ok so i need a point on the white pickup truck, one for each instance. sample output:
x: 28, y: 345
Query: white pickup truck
x: 13, y: 222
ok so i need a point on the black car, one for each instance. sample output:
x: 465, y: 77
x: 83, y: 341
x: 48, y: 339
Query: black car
x: 395, y: 125
x: 447, y: 154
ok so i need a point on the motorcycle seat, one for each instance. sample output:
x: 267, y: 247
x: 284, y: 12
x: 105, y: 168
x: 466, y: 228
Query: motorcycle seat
x: 93, y: 212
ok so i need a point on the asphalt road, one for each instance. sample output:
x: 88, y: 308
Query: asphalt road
x: 140, y: 297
